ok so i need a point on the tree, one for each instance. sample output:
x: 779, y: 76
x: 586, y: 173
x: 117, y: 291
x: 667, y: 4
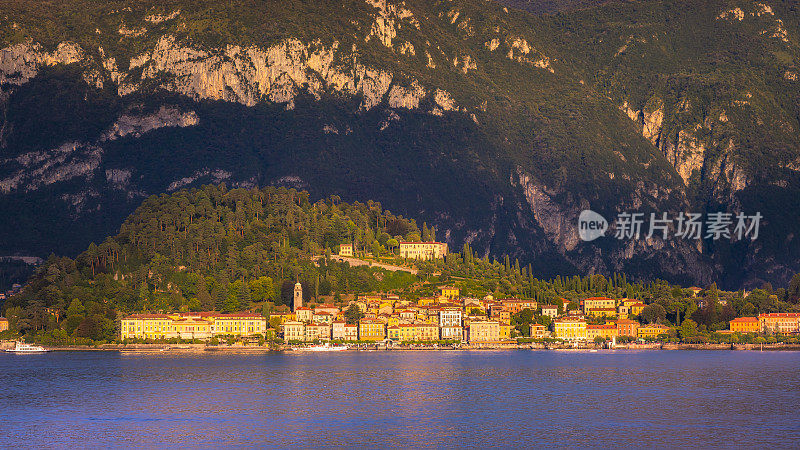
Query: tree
x: 653, y: 313
x: 203, y: 297
x: 353, y: 314
x: 688, y: 329
x: 392, y: 244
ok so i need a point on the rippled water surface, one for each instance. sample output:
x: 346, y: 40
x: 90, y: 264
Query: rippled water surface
x: 406, y: 399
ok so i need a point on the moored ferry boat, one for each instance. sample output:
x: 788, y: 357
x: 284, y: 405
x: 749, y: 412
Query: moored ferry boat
x: 326, y: 347
x: 26, y: 348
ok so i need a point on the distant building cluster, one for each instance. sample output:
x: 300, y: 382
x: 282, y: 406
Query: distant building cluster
x: 200, y: 325
x: 783, y: 323
x: 386, y: 317
x: 573, y: 326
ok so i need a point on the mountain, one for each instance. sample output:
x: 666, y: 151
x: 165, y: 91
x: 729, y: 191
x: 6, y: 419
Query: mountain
x: 496, y: 125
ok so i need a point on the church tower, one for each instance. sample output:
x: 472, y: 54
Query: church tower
x: 298, y: 296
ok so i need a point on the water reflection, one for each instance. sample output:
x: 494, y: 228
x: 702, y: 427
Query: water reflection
x: 477, y: 398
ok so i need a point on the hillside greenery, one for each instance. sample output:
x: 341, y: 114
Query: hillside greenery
x: 564, y: 128
x: 227, y: 250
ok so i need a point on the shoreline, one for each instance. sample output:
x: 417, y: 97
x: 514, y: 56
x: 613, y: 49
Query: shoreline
x: 202, y: 348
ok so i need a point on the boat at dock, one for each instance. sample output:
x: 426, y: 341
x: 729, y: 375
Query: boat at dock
x: 26, y: 348
x: 326, y: 347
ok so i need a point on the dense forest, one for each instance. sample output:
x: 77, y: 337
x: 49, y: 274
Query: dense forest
x: 227, y: 250
x: 212, y: 249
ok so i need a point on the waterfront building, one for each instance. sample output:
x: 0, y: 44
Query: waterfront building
x: 483, y: 331
x: 423, y: 250
x: 294, y: 331
x: 606, y: 331
x: 191, y: 328
x: 538, y: 331
x: 3, y: 324
x: 371, y: 330
x: 346, y: 250
x: 393, y: 333
x: 550, y: 311
x: 192, y: 325
x: 745, y: 325
x: 237, y: 324
x: 350, y: 332
x: 627, y: 327
x: 318, y: 332
x: 451, y: 333
x: 298, y: 296
x: 337, y: 330
x: 146, y: 326
x: 570, y: 328
x: 652, y: 330
x: 505, y: 331
x: 779, y: 322
x: 407, y: 332
x: 427, y: 332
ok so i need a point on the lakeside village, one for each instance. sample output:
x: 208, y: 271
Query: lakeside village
x: 446, y: 320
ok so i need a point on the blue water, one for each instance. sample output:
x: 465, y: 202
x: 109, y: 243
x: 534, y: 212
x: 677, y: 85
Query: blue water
x: 405, y: 399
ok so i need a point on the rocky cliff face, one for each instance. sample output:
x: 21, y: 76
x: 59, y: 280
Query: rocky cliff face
x: 464, y: 113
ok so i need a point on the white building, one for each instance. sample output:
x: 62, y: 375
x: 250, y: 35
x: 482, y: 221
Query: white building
x: 450, y: 317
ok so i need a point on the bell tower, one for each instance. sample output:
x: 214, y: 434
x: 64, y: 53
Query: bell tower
x: 298, y: 295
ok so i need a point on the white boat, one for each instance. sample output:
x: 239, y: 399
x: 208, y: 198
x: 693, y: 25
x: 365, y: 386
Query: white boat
x: 26, y: 348
x: 326, y: 347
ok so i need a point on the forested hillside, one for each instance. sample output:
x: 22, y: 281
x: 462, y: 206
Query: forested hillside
x: 214, y: 249
x: 493, y: 124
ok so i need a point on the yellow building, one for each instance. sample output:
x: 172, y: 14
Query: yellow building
x: 505, y: 331
x: 448, y: 293
x: 483, y: 331
x: 423, y: 250
x: 3, y: 324
x: 294, y: 331
x: 745, y: 325
x: 779, y: 322
x: 636, y: 309
x: 192, y: 325
x: 346, y: 250
x: 652, y: 330
x: 393, y: 332
x: 607, y: 331
x: 146, y: 326
x: 569, y: 328
x: 598, y: 302
x: 237, y: 324
x: 371, y: 330
x: 602, y: 312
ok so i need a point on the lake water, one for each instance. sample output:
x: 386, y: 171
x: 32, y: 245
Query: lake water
x: 405, y: 399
